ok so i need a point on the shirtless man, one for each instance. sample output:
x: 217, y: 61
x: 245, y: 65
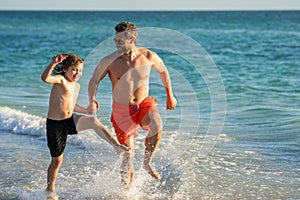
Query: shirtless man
x: 61, y: 121
x: 129, y: 70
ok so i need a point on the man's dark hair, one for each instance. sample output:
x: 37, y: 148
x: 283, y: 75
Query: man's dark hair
x: 128, y: 27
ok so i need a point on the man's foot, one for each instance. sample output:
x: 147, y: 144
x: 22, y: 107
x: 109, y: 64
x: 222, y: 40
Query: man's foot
x: 51, y: 195
x: 126, y: 181
x: 151, y: 170
x: 121, y: 149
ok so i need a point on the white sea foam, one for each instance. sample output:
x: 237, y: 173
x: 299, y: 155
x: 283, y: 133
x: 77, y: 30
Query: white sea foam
x: 20, y: 122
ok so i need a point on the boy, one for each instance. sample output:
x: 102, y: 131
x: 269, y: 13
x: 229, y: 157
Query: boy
x: 67, y: 69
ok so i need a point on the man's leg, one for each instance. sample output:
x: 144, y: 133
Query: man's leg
x: 53, y: 169
x: 153, y: 122
x: 127, y: 171
x: 89, y: 122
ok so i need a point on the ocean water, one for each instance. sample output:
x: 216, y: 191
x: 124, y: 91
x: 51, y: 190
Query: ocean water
x: 234, y: 134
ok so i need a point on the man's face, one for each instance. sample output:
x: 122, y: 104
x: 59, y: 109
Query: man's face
x: 123, y: 43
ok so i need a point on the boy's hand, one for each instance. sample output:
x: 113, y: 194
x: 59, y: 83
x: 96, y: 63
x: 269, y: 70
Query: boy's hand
x: 59, y: 58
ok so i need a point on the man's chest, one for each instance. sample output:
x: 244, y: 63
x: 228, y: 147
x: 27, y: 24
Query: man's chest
x: 130, y: 70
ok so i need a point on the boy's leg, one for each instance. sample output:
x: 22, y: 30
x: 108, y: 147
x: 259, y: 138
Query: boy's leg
x: 90, y: 122
x: 53, y: 169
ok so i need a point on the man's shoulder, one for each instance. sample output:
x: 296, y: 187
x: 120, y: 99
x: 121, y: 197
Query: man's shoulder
x: 144, y: 50
x: 147, y: 52
x: 151, y: 55
x: 114, y: 54
x: 107, y: 60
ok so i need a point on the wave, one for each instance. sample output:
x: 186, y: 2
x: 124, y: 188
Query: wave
x: 20, y: 122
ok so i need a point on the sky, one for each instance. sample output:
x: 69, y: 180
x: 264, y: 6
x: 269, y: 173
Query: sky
x: 149, y: 5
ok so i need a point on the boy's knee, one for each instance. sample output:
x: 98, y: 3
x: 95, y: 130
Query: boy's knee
x: 94, y: 119
x: 57, y: 162
x: 93, y: 122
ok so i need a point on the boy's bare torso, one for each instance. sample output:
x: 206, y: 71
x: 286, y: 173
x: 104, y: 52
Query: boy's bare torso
x: 62, y: 100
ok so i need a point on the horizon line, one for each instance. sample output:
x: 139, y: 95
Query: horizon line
x: 146, y: 10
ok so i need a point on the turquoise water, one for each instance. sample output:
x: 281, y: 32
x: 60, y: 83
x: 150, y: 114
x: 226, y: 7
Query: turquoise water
x: 234, y: 135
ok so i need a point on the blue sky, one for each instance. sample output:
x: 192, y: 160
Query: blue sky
x: 150, y: 5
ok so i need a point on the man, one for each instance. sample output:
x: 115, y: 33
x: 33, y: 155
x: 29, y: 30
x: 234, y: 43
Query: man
x: 129, y: 70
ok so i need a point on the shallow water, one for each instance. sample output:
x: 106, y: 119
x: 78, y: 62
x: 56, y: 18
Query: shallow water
x: 234, y: 134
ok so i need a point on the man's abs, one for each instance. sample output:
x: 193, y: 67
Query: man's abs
x: 131, y: 97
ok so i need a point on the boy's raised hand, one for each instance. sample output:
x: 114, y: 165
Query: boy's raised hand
x: 59, y: 58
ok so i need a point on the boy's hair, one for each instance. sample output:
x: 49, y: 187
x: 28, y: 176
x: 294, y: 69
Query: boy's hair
x: 71, y: 60
x: 128, y: 27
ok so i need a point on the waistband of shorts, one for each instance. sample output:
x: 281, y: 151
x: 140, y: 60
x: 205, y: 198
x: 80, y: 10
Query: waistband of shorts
x: 122, y: 106
x: 63, y: 120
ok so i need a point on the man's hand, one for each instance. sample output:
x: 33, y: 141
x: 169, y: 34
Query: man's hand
x: 171, y: 103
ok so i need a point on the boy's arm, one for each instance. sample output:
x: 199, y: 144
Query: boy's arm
x: 46, y: 75
x: 80, y: 109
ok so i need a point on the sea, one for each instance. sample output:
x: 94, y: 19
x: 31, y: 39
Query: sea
x: 235, y: 133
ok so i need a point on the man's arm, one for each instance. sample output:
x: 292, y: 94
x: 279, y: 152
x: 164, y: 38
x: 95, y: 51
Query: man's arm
x: 159, y: 66
x: 99, y: 73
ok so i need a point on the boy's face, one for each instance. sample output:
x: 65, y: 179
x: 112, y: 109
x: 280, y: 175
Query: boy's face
x: 73, y: 73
